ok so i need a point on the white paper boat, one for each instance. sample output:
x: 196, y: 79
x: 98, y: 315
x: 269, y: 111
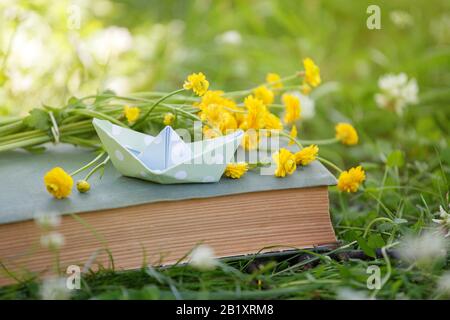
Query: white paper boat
x: 166, y: 158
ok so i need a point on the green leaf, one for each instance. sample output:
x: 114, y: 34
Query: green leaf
x: 375, y: 241
x: 366, y: 248
x: 395, y: 159
x: 400, y: 221
x: 104, y: 96
x: 38, y: 119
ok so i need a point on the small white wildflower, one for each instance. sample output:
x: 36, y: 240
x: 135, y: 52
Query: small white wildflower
x: 351, y: 294
x: 401, y: 19
x: 444, y: 283
x: 443, y: 221
x: 424, y: 249
x: 231, y: 37
x: 52, y: 240
x: 202, y: 257
x: 54, y: 289
x: 396, y: 92
x: 307, y: 104
x: 47, y: 220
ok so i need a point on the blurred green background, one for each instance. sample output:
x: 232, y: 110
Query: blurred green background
x: 53, y: 50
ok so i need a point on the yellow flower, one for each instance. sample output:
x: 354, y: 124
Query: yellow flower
x: 346, y: 133
x: 256, y: 113
x: 58, y: 183
x: 312, y: 72
x: 272, y: 122
x: 306, y: 89
x: 197, y: 82
x: 83, y: 186
x: 292, y: 104
x: 285, y: 162
x: 250, y: 140
x: 227, y: 122
x: 273, y: 80
x: 236, y: 170
x: 264, y: 94
x: 293, y: 134
x: 168, y: 118
x: 350, y: 180
x: 131, y: 113
x: 307, y: 155
x: 212, y: 97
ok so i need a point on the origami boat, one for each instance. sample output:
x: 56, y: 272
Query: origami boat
x: 166, y: 158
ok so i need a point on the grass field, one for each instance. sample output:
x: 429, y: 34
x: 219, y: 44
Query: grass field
x: 406, y: 156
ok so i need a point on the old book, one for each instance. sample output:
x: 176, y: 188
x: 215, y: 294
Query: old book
x: 141, y: 222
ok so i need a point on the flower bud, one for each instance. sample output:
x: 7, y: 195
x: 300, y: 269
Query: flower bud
x: 83, y: 186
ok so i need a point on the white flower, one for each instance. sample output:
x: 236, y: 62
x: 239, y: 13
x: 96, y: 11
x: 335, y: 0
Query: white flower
x: 402, y: 19
x: 444, y: 283
x: 424, y: 249
x: 231, y: 37
x: 396, y: 92
x: 202, y: 257
x: 307, y: 105
x: 54, y: 289
x: 52, y: 240
x: 110, y: 43
x: 48, y: 220
x: 444, y: 221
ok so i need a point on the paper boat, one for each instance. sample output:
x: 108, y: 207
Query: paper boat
x: 166, y: 158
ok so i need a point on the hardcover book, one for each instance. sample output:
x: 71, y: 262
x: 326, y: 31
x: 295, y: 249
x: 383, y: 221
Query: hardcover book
x: 139, y: 222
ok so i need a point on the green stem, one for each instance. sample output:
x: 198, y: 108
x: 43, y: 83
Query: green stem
x: 96, y: 168
x: 286, y: 135
x: 142, y: 119
x: 89, y: 164
x: 25, y: 143
x: 12, y: 127
x: 366, y: 231
x: 320, y: 142
x: 100, y: 115
x: 244, y: 92
x: 329, y: 163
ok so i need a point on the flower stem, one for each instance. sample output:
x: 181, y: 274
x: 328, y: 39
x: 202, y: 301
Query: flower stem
x: 286, y: 135
x: 142, y: 119
x: 96, y: 168
x: 329, y: 163
x: 320, y: 142
x: 89, y: 164
x: 244, y: 92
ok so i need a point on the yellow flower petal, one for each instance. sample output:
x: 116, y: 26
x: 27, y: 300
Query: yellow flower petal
x: 349, y: 181
x: 58, y: 183
x: 285, y: 162
x: 273, y: 79
x: 346, y: 134
x: 264, y: 94
x: 236, y: 170
x: 307, y: 155
x: 293, y: 134
x: 293, y: 109
x: 197, y: 82
x: 312, y: 72
x: 131, y: 113
x: 168, y: 118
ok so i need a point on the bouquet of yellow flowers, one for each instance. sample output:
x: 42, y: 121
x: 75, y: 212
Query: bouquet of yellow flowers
x: 255, y: 111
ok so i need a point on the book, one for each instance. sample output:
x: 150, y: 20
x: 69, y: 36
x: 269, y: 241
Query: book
x: 139, y: 222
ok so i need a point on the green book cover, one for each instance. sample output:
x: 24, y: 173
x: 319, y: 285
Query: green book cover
x: 23, y: 194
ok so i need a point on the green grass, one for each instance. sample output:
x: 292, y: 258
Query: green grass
x: 408, y: 188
